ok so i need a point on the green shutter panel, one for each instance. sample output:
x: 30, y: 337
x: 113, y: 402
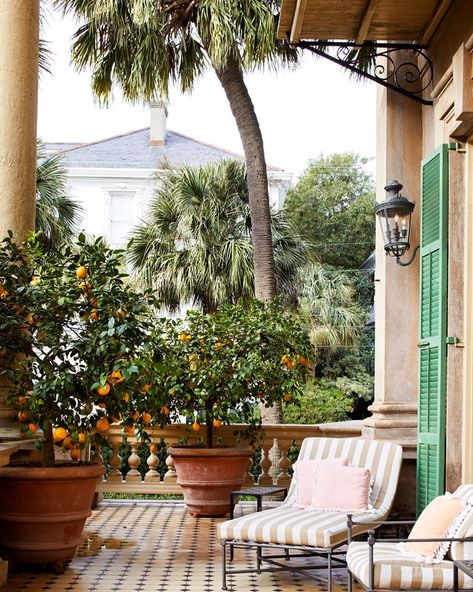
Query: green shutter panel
x: 433, y: 327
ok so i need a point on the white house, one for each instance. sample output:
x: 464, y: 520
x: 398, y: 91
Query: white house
x: 113, y: 179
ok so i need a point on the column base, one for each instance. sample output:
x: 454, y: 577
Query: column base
x: 393, y: 421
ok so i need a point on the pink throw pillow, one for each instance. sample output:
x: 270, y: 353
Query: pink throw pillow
x: 305, y: 473
x: 434, y: 523
x: 341, y: 488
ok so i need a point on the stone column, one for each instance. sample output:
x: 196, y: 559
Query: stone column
x: 19, y: 34
x: 394, y: 411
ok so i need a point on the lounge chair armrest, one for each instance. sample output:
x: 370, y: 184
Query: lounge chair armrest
x: 374, y: 523
x: 427, y: 540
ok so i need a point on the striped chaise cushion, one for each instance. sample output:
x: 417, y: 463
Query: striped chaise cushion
x: 290, y: 525
x: 394, y: 571
x: 464, y: 550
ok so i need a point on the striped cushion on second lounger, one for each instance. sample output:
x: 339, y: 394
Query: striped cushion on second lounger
x: 293, y: 526
x: 394, y: 571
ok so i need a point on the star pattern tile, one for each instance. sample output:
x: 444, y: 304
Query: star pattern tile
x: 158, y: 547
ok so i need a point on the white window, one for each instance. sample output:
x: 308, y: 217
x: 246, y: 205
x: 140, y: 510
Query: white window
x: 122, y: 216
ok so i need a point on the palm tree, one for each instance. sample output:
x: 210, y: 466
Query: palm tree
x: 327, y: 301
x: 56, y: 213
x: 143, y: 45
x: 196, y: 242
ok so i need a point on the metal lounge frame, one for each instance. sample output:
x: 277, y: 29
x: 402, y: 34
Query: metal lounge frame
x: 331, y: 554
x: 372, y: 541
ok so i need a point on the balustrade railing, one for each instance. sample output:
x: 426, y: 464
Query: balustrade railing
x: 276, y: 444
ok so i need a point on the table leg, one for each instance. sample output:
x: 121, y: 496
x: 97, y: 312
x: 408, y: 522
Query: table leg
x: 259, y: 503
x: 455, y: 578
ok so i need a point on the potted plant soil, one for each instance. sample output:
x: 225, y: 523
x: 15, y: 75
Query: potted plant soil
x: 74, y: 356
x: 217, y: 369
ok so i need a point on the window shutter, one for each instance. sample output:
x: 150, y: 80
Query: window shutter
x: 433, y: 326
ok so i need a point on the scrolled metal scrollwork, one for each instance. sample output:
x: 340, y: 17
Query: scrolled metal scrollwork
x: 405, y: 68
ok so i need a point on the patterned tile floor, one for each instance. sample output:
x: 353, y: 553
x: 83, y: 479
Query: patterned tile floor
x: 157, y: 546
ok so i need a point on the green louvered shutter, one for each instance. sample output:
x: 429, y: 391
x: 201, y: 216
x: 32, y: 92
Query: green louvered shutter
x: 433, y: 326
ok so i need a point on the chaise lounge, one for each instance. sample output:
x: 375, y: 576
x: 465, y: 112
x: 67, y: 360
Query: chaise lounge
x: 296, y: 531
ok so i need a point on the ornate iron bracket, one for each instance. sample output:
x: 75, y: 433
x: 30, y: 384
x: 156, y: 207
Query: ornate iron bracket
x: 405, y: 68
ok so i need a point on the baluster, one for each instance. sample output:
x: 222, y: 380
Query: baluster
x: 115, y: 461
x: 170, y: 476
x: 133, y: 475
x: 97, y: 457
x: 152, y: 461
x: 284, y: 478
x: 249, y: 479
x: 274, y: 457
x: 265, y: 478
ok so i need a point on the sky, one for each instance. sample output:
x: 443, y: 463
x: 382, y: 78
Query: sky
x: 316, y: 108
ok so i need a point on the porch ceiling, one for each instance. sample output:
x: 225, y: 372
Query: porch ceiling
x: 361, y: 20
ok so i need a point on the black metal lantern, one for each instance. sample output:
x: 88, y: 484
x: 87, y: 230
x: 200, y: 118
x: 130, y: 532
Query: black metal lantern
x: 394, y: 214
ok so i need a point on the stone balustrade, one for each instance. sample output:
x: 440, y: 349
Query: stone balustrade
x: 276, y: 444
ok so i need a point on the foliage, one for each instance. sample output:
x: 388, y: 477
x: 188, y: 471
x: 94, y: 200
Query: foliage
x: 327, y: 301
x: 74, y: 329
x: 321, y: 402
x: 144, y: 46
x: 195, y: 244
x: 332, y: 207
x: 56, y: 213
x: 219, y: 366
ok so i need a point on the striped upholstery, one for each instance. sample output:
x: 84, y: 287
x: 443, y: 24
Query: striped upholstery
x: 293, y: 526
x: 393, y: 571
x: 464, y: 550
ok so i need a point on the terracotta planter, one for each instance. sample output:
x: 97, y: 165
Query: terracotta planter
x: 207, y: 476
x: 43, y: 511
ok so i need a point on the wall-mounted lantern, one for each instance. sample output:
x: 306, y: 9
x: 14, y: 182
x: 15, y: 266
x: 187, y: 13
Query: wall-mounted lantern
x: 394, y: 214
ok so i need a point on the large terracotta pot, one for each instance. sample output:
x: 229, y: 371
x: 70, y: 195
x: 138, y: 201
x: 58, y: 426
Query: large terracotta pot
x: 43, y: 511
x: 207, y: 476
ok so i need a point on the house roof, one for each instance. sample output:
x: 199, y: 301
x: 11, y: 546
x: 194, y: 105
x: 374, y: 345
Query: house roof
x: 361, y: 20
x: 133, y: 150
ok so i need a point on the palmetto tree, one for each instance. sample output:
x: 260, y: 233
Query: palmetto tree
x: 56, y: 213
x: 144, y: 45
x: 196, y: 242
x: 327, y: 300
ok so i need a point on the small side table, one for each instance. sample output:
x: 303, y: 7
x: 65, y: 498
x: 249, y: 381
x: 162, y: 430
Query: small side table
x: 464, y: 565
x: 258, y: 493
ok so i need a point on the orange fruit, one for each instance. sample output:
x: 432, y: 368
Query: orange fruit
x: 102, y: 425
x: 102, y: 405
x: 67, y: 443
x: 22, y: 416
x: 115, y: 377
x: 94, y: 315
x: 287, y: 397
x: 59, y: 434
x: 145, y: 388
x: 129, y: 430
x: 134, y: 416
x: 3, y: 292
x: 75, y: 454
x: 21, y: 401
x: 103, y: 390
x: 217, y: 423
x: 120, y: 312
x: 82, y: 438
x: 81, y: 272
x: 32, y: 427
x: 196, y: 426
x: 165, y: 410
x: 153, y: 448
x: 184, y: 337
x: 85, y: 286
x: 146, y: 417
x: 126, y: 397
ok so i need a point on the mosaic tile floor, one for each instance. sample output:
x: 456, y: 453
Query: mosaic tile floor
x: 157, y: 546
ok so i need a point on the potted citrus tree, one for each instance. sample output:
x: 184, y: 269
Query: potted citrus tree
x: 74, y: 356
x: 217, y: 369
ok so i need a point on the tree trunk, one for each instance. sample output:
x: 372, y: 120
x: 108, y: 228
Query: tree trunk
x: 231, y: 78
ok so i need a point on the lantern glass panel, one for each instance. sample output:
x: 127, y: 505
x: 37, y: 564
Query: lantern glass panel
x: 395, y: 223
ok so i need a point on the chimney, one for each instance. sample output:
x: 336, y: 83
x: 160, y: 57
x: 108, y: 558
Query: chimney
x: 157, y: 130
